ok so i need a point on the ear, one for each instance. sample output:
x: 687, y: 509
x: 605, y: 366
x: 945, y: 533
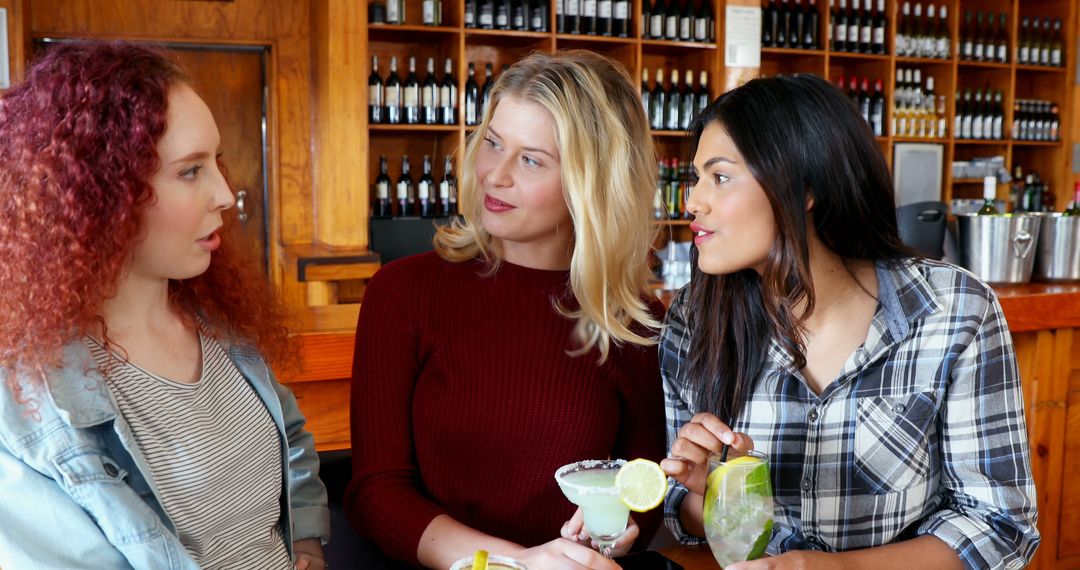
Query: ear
x: 809, y: 201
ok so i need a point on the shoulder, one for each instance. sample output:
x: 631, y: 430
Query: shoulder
x: 418, y: 268
x: 954, y: 288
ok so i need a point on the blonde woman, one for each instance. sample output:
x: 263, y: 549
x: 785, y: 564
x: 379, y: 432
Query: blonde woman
x: 525, y: 341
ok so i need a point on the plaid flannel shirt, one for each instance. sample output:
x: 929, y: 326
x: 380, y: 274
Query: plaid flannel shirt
x: 921, y: 433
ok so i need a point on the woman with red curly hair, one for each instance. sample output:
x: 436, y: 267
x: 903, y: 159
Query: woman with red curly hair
x: 140, y: 426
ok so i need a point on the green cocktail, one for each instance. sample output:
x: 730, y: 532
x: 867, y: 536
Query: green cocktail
x: 591, y: 485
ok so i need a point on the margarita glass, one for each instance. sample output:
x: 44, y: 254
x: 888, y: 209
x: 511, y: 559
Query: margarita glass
x: 738, y: 512
x: 590, y: 485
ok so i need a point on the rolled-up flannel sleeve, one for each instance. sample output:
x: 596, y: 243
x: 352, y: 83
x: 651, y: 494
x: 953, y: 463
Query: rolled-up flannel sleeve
x: 989, y: 514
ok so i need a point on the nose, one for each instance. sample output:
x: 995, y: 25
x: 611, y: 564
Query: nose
x: 499, y: 175
x: 694, y: 204
x: 223, y: 195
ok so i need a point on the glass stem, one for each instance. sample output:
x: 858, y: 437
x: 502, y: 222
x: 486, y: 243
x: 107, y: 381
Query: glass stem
x: 606, y: 547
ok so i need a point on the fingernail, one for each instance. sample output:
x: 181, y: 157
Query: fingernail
x: 727, y: 437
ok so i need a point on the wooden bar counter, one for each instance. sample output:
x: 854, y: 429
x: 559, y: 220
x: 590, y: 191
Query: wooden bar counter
x: 1042, y: 317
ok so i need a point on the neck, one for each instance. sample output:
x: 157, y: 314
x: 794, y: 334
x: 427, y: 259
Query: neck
x: 836, y: 282
x: 140, y: 306
x: 552, y: 255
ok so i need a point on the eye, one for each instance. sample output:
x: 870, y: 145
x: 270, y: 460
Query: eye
x: 529, y: 161
x: 492, y: 144
x: 191, y: 173
x: 719, y: 179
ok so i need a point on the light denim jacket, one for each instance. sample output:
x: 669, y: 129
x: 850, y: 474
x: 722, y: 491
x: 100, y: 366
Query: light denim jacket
x: 76, y: 492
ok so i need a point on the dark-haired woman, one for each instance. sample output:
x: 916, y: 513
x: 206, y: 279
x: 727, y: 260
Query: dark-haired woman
x: 140, y: 425
x: 882, y: 386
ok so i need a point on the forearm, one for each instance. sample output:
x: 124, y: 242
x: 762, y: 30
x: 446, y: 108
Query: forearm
x: 446, y: 540
x: 922, y: 552
x: 690, y: 514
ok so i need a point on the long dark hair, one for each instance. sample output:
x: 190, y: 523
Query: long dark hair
x: 801, y: 138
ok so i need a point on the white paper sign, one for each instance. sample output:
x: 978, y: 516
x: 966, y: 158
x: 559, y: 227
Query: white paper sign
x: 742, y: 36
x: 5, y: 71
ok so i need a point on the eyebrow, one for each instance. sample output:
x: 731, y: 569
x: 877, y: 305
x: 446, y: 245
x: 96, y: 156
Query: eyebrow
x: 192, y: 156
x: 528, y: 148
x: 717, y: 159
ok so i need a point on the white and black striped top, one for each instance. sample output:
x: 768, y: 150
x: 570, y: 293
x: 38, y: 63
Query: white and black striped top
x: 214, y: 453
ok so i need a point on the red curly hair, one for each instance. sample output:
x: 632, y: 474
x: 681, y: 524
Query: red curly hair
x: 80, y: 137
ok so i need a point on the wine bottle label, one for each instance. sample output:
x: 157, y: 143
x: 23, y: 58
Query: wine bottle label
x: 519, y: 20
x: 423, y: 190
x: 572, y: 7
x: 671, y: 27
x: 589, y: 8
x: 879, y: 36
x: 656, y: 26
x: 603, y: 9
x: 942, y: 49
x: 375, y: 94
x: 429, y: 12
x: 622, y: 11
x: 444, y: 190
x: 699, y: 30
x: 684, y: 28
x: 978, y: 51
x: 392, y: 14
x: 382, y: 190
x: 428, y: 97
x: 470, y: 18
x: 393, y: 97
x: 411, y: 96
x: 537, y: 21
x: 402, y: 190
x: 841, y: 33
x: 1044, y: 56
x: 487, y: 19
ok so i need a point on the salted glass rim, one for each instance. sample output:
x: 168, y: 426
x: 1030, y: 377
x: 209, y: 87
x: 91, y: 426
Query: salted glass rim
x: 588, y: 465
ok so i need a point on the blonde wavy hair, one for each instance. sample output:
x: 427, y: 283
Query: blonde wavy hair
x: 609, y: 172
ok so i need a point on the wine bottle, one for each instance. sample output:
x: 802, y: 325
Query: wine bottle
x: 686, y: 101
x: 406, y: 190
x: 989, y: 207
x: 485, y: 94
x: 620, y: 18
x: 657, y: 107
x: 375, y: 93
x: 381, y: 207
x: 674, y: 100
x: 425, y: 190
x: 448, y: 190
x: 472, y: 97
x: 429, y: 96
x: 393, y: 94
x: 411, y: 95
x: 448, y: 95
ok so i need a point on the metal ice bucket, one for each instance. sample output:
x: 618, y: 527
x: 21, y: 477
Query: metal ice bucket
x: 1057, y: 259
x: 999, y: 249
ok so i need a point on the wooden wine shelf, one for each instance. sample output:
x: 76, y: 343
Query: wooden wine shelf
x: 983, y: 64
x: 587, y: 38
x: 793, y: 52
x: 414, y: 128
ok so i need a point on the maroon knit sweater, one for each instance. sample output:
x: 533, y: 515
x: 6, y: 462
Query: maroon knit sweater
x: 464, y: 402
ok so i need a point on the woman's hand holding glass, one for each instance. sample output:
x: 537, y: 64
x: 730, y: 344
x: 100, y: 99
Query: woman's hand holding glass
x: 574, y: 529
x: 702, y: 435
x: 561, y: 553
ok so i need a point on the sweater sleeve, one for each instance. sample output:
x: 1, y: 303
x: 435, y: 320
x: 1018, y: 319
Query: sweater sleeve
x: 384, y: 500
x: 641, y: 429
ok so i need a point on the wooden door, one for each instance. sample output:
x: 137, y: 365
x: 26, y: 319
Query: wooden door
x: 232, y: 81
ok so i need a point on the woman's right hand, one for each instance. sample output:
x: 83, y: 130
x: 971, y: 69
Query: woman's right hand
x: 702, y: 435
x: 560, y: 554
